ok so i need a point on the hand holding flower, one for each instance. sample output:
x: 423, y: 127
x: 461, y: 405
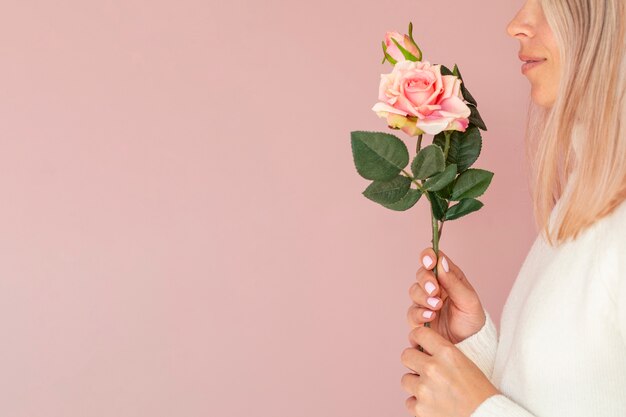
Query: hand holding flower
x: 445, y: 382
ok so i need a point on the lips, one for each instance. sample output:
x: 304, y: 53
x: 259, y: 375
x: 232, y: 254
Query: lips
x: 528, y: 58
x: 527, y: 66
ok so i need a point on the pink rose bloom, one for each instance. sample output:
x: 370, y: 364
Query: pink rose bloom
x: 404, y: 41
x: 416, y: 98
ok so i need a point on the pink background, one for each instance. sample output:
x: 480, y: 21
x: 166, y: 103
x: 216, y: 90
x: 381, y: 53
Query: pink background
x: 181, y: 228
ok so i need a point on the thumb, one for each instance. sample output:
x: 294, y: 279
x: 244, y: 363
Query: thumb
x: 453, y: 280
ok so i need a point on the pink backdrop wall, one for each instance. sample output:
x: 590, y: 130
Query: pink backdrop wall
x: 181, y: 225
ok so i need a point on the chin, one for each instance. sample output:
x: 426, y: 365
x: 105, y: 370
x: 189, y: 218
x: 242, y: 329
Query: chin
x: 542, y: 100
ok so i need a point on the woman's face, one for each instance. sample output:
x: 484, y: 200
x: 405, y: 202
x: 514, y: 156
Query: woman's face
x: 530, y: 27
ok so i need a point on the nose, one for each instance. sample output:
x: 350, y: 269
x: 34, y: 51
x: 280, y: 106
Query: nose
x: 519, y: 26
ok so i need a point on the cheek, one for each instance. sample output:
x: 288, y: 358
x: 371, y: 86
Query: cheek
x: 544, y: 85
x: 552, y: 77
x: 547, y: 74
x: 545, y: 36
x: 555, y: 58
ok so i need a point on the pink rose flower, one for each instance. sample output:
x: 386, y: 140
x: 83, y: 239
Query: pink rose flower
x: 416, y: 98
x: 404, y: 41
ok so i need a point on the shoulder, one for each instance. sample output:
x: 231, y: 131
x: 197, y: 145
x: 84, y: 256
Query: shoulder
x: 615, y: 225
x: 605, y: 240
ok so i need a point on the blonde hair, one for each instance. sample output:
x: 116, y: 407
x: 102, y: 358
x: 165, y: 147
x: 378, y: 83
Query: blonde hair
x: 585, y: 129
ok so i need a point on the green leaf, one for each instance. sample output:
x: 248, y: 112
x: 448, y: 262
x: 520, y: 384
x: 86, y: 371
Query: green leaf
x: 471, y: 183
x: 387, y: 57
x: 406, y: 202
x: 407, y: 55
x: 455, y: 71
x: 442, y: 179
x: 445, y: 70
x: 464, y: 147
x: 386, y: 192
x: 438, y: 205
x: 475, y: 118
x: 377, y: 155
x: 446, y: 191
x: 440, y: 140
x: 428, y: 162
x: 384, y: 52
x: 419, y: 58
x: 391, y: 59
x: 467, y: 148
x: 466, y: 95
x: 464, y: 91
x: 463, y: 207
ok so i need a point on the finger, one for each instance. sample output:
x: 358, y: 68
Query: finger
x: 410, y: 403
x: 452, y: 279
x: 422, y: 299
x: 427, y: 280
x: 428, y: 258
x: 417, y: 316
x: 413, y: 358
x: 444, y: 263
x: 427, y: 338
x: 410, y: 382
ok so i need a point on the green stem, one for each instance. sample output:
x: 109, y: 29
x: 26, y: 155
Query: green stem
x: 437, y: 230
x: 419, y: 186
x: 435, y: 241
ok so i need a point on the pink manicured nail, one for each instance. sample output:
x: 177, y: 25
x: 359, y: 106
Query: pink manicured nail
x: 428, y: 261
x: 432, y: 301
x: 430, y: 287
x: 428, y: 314
x: 445, y: 264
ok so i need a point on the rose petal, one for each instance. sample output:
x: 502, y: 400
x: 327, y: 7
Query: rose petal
x: 419, y: 87
x: 411, y: 128
x: 456, y: 92
x: 454, y: 106
x: 458, y: 124
x: 426, y: 111
x: 448, y: 86
x: 433, y: 127
x: 405, y: 104
x: 396, y: 121
x: 384, y: 107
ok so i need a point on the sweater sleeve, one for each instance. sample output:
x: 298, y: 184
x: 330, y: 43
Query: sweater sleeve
x: 500, y: 405
x: 481, y: 346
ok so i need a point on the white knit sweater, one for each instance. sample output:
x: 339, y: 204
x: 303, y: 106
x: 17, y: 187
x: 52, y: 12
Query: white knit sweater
x: 561, y: 351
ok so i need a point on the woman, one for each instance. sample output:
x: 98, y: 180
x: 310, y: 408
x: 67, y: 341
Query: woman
x: 562, y: 344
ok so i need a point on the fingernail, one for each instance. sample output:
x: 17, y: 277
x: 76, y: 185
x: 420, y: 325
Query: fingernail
x: 445, y: 264
x: 433, y: 301
x: 428, y: 261
x: 430, y: 287
x: 428, y: 314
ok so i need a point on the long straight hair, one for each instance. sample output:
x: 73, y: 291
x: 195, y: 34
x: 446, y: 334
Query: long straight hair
x: 584, y: 131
